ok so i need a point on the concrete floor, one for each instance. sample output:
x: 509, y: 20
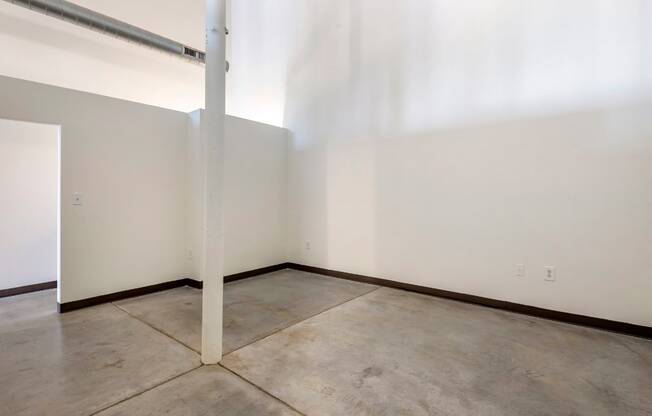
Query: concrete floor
x: 306, y: 344
x: 79, y: 362
x: 398, y: 353
x: 210, y: 390
x: 253, y: 308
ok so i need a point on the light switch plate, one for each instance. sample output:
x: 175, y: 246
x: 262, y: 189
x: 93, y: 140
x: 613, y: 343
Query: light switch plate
x: 78, y: 199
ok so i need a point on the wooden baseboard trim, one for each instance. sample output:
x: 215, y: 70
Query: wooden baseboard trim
x: 112, y: 297
x: 242, y: 275
x: 146, y: 290
x: 27, y: 289
x: 197, y: 284
x: 570, y: 318
x: 255, y: 272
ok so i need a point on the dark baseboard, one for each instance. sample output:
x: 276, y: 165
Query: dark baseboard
x: 27, y: 289
x: 113, y: 297
x: 197, y: 284
x: 256, y: 272
x: 571, y: 318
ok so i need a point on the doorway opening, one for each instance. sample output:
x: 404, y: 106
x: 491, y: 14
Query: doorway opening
x: 30, y: 207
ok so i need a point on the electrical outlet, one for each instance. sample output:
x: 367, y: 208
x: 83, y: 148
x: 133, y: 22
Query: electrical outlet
x: 520, y: 270
x: 189, y: 254
x: 550, y: 273
x: 307, y: 245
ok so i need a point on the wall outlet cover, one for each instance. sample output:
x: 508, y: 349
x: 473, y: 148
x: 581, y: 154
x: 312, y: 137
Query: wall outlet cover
x: 520, y: 270
x: 550, y: 273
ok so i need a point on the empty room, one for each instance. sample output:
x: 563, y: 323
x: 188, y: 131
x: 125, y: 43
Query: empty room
x: 326, y: 207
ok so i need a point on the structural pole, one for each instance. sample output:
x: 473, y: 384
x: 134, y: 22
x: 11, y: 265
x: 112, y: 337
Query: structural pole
x: 212, y: 132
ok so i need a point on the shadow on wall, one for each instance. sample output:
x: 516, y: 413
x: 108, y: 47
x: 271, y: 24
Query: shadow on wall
x: 442, y: 144
x: 405, y: 68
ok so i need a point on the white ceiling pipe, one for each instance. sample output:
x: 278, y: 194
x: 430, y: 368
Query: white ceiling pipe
x: 84, y: 17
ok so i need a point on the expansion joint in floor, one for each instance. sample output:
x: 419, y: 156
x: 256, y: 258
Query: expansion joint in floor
x: 302, y: 320
x: 262, y: 390
x: 146, y: 390
x: 222, y: 366
x: 156, y: 329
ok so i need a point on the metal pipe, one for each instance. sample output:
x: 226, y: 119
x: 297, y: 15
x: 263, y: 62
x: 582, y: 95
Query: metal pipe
x: 82, y: 16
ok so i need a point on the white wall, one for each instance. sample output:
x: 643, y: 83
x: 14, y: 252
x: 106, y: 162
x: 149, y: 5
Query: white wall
x: 442, y: 143
x: 128, y: 160
x: 259, y: 57
x: 134, y: 165
x: 29, y: 179
x: 255, y: 194
x: 438, y: 143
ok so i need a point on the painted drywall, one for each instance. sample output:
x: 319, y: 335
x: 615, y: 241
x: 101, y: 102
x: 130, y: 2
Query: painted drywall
x: 443, y: 143
x: 255, y: 194
x: 128, y: 161
x: 134, y: 166
x: 29, y: 180
x: 256, y: 83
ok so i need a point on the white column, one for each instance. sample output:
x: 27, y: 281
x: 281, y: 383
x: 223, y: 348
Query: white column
x: 212, y: 129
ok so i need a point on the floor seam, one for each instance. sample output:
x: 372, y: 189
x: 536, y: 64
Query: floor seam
x: 261, y: 389
x: 249, y: 343
x: 255, y: 340
x: 220, y: 364
x: 145, y: 391
x: 156, y: 329
x: 302, y: 320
